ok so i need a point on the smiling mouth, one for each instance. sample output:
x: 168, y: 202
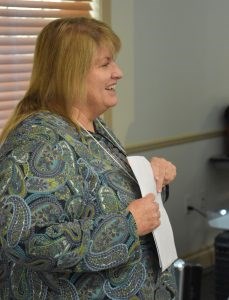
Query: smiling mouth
x: 111, y: 87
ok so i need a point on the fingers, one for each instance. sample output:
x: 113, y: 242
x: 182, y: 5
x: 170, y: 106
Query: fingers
x: 159, y: 182
x: 146, y: 214
x: 164, y: 172
x: 170, y: 172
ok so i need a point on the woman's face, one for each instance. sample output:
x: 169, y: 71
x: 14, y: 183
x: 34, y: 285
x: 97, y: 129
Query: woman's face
x: 101, y: 82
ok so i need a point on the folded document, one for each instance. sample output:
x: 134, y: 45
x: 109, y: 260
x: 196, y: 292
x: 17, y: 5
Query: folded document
x: 163, y: 235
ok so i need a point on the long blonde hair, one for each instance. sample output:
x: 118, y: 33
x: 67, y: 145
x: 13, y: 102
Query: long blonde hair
x: 62, y: 59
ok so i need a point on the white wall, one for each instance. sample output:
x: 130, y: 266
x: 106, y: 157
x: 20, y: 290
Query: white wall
x: 175, y: 58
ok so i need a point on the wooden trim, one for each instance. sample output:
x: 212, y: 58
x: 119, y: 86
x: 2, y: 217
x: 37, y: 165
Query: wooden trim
x: 164, y: 143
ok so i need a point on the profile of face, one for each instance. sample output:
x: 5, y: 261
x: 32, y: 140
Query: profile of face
x: 101, y: 82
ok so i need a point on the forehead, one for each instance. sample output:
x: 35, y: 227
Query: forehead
x: 102, y: 53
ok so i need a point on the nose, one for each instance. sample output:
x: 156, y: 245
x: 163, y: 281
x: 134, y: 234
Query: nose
x: 117, y: 72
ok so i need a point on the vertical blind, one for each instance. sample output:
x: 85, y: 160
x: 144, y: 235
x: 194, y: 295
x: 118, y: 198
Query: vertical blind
x: 20, y: 23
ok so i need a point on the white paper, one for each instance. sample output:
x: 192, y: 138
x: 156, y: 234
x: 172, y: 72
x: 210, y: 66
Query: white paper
x: 163, y: 235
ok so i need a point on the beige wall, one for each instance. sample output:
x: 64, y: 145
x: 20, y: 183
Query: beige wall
x: 175, y: 58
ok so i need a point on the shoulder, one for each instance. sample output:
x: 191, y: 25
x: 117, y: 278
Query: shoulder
x: 45, y: 119
x: 42, y: 124
x: 43, y: 127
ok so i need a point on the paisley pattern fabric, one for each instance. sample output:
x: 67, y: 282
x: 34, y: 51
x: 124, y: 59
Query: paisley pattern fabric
x: 65, y: 232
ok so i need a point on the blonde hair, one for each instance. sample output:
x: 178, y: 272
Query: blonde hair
x: 62, y: 59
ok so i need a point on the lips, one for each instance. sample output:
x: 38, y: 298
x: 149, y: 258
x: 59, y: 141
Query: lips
x: 111, y: 87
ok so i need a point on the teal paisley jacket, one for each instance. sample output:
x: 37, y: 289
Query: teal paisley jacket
x: 65, y: 232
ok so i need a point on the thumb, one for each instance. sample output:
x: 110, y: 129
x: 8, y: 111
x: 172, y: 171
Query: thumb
x: 159, y: 183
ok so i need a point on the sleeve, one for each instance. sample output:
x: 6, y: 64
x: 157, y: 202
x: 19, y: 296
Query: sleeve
x: 47, y: 221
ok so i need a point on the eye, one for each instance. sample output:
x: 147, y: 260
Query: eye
x: 105, y: 64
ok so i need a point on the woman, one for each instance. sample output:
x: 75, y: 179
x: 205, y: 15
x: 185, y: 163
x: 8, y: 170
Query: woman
x: 73, y: 222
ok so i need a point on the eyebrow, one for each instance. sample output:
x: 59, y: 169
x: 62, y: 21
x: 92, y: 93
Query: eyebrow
x: 106, y: 57
x: 101, y: 59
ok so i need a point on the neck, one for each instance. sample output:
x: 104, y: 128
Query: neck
x: 82, y: 120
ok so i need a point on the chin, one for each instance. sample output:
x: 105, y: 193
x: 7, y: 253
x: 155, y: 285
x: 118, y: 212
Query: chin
x: 112, y: 103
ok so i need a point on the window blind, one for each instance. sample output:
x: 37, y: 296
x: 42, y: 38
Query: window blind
x: 20, y: 23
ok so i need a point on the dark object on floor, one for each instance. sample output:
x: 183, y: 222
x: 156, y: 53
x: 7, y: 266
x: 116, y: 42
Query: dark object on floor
x: 189, y: 280
x: 222, y: 266
x: 192, y: 282
x: 208, y: 284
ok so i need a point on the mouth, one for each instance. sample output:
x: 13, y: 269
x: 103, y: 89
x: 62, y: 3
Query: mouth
x: 111, y: 87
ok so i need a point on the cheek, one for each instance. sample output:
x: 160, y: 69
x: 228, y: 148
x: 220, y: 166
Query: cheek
x: 94, y: 93
x: 93, y: 85
x: 96, y: 87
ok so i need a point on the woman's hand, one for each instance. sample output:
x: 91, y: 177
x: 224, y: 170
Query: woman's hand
x: 164, y: 172
x: 146, y: 214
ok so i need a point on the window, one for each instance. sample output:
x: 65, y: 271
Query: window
x: 20, y: 23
